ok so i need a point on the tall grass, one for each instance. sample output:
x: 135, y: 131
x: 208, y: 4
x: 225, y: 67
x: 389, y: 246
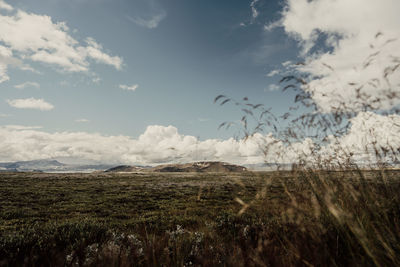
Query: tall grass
x: 335, y: 196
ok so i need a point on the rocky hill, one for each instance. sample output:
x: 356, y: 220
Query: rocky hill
x: 203, y: 166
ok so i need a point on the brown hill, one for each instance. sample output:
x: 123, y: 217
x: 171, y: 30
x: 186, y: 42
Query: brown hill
x: 125, y: 168
x: 203, y: 166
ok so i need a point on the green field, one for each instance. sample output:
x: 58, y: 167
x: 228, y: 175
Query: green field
x: 177, y: 219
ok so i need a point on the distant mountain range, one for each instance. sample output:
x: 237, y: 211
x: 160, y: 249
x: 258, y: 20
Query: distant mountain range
x: 53, y: 166
x: 202, y: 166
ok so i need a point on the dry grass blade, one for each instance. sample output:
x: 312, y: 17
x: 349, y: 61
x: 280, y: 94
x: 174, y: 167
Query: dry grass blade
x: 218, y: 98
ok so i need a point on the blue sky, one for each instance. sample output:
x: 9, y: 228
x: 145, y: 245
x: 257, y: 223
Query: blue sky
x: 198, y: 50
x: 133, y: 82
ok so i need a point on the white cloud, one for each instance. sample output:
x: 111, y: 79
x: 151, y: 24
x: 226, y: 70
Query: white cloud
x: 129, y: 87
x: 3, y: 73
x: 151, y: 22
x: 82, y: 120
x: 27, y: 84
x: 351, y: 29
x: 369, y: 131
x: 360, y: 40
x: 5, y: 6
x: 273, y: 73
x: 94, y: 51
x: 273, y: 87
x: 30, y: 103
x: 31, y: 37
x: 269, y: 27
x: 5, y: 58
x: 254, y: 11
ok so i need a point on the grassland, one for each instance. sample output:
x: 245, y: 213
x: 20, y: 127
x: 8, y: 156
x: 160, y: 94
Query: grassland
x: 176, y: 219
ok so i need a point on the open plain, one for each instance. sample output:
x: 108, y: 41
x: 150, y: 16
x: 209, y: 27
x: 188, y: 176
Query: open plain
x: 250, y: 218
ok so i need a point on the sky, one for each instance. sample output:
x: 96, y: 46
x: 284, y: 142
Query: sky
x: 133, y: 81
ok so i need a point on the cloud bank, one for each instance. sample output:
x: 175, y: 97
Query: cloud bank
x: 156, y: 145
x: 161, y: 144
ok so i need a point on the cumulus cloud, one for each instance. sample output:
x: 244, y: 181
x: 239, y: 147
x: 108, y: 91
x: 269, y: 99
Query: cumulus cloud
x: 150, y: 22
x: 351, y: 56
x: 31, y: 37
x: 27, y: 84
x: 160, y: 144
x: 129, y: 87
x: 157, y: 144
x: 362, y: 39
x: 372, y: 138
x: 30, y: 103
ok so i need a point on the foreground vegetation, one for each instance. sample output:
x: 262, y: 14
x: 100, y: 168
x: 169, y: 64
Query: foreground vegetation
x: 248, y: 219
